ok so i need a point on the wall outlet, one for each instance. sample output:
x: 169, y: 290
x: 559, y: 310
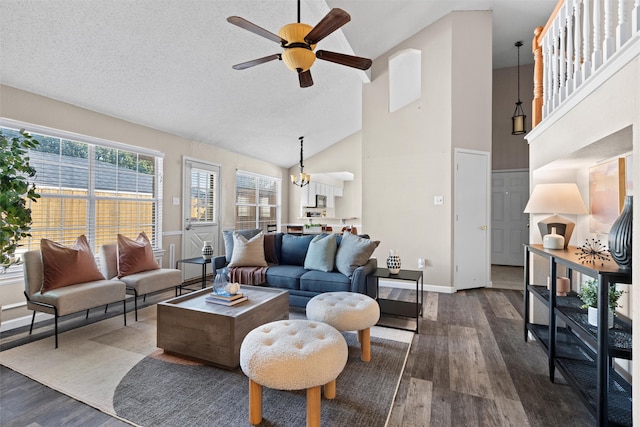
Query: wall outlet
x: 438, y: 200
x: 176, y: 201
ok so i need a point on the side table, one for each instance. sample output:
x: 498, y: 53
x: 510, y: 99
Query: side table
x: 410, y: 309
x: 197, y: 260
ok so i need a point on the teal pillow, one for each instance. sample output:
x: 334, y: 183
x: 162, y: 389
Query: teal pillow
x: 321, y: 253
x: 353, y: 252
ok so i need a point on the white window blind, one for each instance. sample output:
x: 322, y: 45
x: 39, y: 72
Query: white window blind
x: 257, y: 200
x: 92, y: 189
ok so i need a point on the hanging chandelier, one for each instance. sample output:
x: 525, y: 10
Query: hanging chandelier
x: 302, y: 178
x: 517, y: 121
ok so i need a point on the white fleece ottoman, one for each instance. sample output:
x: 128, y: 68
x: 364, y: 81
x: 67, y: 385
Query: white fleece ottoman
x: 293, y: 355
x: 347, y: 311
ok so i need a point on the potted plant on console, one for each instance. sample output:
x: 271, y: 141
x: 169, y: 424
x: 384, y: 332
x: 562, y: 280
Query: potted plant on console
x: 589, y: 296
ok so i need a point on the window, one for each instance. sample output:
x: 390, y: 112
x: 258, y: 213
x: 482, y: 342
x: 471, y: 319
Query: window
x: 93, y: 187
x: 257, y: 201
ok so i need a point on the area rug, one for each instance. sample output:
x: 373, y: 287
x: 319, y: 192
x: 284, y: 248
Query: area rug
x: 121, y: 372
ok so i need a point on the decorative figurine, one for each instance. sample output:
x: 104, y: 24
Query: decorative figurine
x: 593, y: 251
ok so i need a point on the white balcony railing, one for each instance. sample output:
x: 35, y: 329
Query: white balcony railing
x: 579, y: 38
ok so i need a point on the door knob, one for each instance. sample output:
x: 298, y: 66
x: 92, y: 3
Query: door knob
x: 483, y: 227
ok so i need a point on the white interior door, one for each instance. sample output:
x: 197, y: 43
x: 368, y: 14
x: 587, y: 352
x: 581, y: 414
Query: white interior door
x: 509, y: 224
x: 471, y: 219
x: 200, y: 201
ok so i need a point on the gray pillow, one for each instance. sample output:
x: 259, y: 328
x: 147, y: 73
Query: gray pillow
x: 228, y: 239
x: 321, y: 254
x: 353, y: 252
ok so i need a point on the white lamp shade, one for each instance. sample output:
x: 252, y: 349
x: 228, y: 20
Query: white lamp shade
x: 556, y: 198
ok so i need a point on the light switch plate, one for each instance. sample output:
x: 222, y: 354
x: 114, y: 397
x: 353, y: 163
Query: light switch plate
x: 176, y: 201
x: 438, y: 200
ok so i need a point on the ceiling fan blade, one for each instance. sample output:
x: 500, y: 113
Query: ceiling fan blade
x: 250, y: 26
x: 258, y: 61
x: 333, y: 20
x: 305, y: 78
x: 342, y: 59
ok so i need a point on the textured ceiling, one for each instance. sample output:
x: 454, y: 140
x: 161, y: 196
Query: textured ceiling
x: 166, y: 64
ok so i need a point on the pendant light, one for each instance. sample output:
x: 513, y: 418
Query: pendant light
x: 302, y: 178
x: 517, y: 121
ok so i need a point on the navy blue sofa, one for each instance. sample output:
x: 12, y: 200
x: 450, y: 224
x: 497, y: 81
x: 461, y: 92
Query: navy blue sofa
x: 301, y: 283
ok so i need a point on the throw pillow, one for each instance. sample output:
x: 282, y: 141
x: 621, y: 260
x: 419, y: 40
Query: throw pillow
x: 270, y: 253
x: 353, y: 252
x: 322, y: 253
x: 248, y: 253
x: 228, y: 239
x: 64, y: 266
x: 135, y: 256
x: 294, y: 249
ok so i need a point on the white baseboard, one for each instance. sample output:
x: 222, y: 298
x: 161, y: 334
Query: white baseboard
x: 7, y: 325
x: 412, y: 286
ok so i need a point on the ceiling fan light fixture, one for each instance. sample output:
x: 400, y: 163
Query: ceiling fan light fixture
x: 297, y: 54
x: 298, y: 59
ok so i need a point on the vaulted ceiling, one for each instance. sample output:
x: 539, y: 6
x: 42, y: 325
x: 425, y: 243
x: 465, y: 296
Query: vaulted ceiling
x: 166, y: 64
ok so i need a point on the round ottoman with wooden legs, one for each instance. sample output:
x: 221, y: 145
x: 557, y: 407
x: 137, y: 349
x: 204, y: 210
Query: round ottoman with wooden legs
x: 347, y: 311
x: 293, y: 355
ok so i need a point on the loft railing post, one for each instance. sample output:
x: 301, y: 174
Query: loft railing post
x: 586, y: 47
x: 636, y: 16
x: 548, y: 74
x: 577, y: 43
x: 596, y: 59
x: 609, y: 41
x: 562, y: 55
x: 569, y: 57
x: 538, y: 75
x: 623, y: 29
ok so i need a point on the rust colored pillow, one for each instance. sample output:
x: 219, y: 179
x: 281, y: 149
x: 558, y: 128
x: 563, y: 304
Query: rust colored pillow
x: 135, y: 256
x: 64, y: 266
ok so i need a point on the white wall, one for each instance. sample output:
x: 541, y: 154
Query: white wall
x: 27, y: 107
x: 407, y: 155
x: 604, y: 125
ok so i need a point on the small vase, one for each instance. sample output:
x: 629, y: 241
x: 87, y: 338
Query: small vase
x: 220, y: 284
x: 393, y: 262
x: 553, y: 240
x: 620, y: 235
x: 207, y: 250
x: 593, y: 317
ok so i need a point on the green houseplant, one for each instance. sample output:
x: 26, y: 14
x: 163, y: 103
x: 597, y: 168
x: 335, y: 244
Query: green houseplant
x: 589, y: 296
x: 15, y: 190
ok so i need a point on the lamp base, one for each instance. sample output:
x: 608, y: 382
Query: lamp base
x: 563, y: 226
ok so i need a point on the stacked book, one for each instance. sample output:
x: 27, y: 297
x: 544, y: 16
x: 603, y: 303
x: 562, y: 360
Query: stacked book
x: 226, y: 299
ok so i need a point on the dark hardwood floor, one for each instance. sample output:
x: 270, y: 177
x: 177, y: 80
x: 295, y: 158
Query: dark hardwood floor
x: 469, y: 366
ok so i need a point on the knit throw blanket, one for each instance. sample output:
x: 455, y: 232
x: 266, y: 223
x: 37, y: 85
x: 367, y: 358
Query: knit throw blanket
x: 248, y: 275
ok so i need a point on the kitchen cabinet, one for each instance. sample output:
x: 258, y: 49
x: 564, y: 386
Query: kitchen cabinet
x: 582, y: 353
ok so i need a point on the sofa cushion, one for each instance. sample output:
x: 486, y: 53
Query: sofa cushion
x: 320, y: 281
x: 64, y: 266
x: 353, y: 252
x: 294, y: 249
x: 321, y: 254
x: 228, y: 239
x: 285, y: 276
x: 270, y: 253
x: 135, y: 256
x: 248, y: 252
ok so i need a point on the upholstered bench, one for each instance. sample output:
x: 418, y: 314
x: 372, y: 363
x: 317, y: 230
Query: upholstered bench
x: 293, y: 355
x: 347, y: 311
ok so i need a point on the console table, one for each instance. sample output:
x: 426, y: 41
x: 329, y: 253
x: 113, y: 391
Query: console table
x: 410, y: 309
x: 582, y: 352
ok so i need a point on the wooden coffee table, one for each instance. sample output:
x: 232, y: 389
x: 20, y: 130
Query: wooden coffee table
x: 190, y: 326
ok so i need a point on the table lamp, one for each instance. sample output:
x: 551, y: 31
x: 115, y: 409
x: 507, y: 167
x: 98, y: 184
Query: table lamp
x: 556, y: 198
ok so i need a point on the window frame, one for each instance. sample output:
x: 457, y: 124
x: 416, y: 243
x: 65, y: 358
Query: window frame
x: 15, y: 271
x: 258, y: 205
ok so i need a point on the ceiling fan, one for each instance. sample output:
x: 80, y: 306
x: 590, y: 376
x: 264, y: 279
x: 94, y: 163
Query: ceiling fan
x: 299, y: 41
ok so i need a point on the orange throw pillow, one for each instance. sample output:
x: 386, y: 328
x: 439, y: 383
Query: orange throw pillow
x: 135, y: 256
x: 64, y: 266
